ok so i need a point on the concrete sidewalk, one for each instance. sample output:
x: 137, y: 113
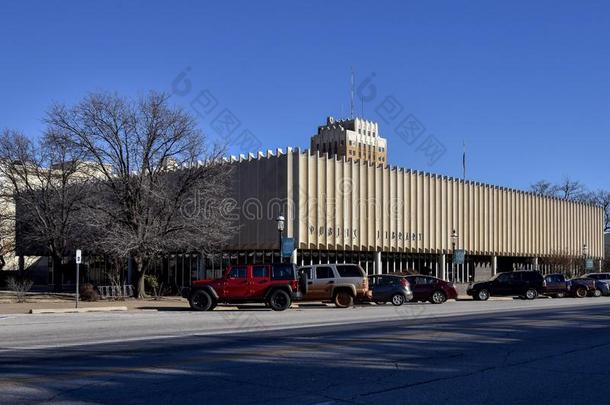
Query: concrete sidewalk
x: 149, y: 304
x: 37, y: 303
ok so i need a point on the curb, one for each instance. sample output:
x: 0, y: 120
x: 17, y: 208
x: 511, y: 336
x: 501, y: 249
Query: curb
x: 76, y: 310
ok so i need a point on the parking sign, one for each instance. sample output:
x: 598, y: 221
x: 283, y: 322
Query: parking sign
x: 287, y: 247
x: 459, y: 256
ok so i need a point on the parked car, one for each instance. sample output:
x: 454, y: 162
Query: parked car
x: 558, y: 286
x: 339, y: 283
x: 394, y: 289
x: 602, y: 281
x: 432, y: 289
x: 276, y: 285
x: 527, y: 284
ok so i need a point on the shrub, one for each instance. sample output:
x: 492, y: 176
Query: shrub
x: 20, y: 287
x: 151, y: 284
x: 88, y: 292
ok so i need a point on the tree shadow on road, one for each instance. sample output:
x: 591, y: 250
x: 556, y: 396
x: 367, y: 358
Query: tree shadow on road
x: 425, y: 360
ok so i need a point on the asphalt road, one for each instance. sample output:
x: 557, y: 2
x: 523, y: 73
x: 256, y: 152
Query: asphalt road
x: 466, y: 352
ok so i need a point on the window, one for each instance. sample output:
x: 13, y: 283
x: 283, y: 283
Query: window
x: 283, y: 272
x: 389, y: 280
x: 238, y: 272
x: 558, y: 279
x: 260, y: 271
x: 307, y: 271
x: 423, y: 280
x: 419, y: 280
x: 324, y: 272
x: 347, y: 270
x: 505, y: 277
x: 530, y: 276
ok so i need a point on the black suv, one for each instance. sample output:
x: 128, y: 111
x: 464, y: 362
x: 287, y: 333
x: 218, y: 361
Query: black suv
x: 526, y: 284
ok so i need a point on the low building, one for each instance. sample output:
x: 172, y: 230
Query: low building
x: 341, y: 206
x: 393, y: 219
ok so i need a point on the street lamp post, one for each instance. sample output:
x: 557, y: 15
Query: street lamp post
x: 280, y: 228
x: 454, y: 238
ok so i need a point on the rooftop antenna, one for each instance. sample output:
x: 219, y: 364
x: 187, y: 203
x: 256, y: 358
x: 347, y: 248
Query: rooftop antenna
x: 362, y: 104
x: 353, y: 84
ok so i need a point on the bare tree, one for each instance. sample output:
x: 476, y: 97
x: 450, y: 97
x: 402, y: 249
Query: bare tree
x: 7, y: 224
x: 44, y: 186
x: 601, y: 198
x: 544, y: 188
x: 565, y: 263
x: 7, y: 221
x: 568, y: 189
x: 161, y: 187
x: 571, y: 189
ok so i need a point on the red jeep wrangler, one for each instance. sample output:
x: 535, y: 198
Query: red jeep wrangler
x: 276, y: 285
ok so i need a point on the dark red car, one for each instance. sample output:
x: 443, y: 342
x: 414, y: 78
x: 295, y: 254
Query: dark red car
x: 432, y: 289
x: 276, y: 285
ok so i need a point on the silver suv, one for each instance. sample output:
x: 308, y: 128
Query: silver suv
x: 338, y: 283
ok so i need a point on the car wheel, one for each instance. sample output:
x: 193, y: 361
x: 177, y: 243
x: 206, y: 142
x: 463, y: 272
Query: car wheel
x: 201, y: 301
x: 343, y: 299
x: 597, y: 293
x: 279, y: 300
x: 398, y: 300
x: 483, y: 295
x: 438, y: 297
x: 531, y: 294
x: 581, y: 292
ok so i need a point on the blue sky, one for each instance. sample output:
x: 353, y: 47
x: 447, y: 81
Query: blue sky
x: 525, y: 84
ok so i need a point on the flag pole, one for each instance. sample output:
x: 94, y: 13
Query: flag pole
x: 464, y: 160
